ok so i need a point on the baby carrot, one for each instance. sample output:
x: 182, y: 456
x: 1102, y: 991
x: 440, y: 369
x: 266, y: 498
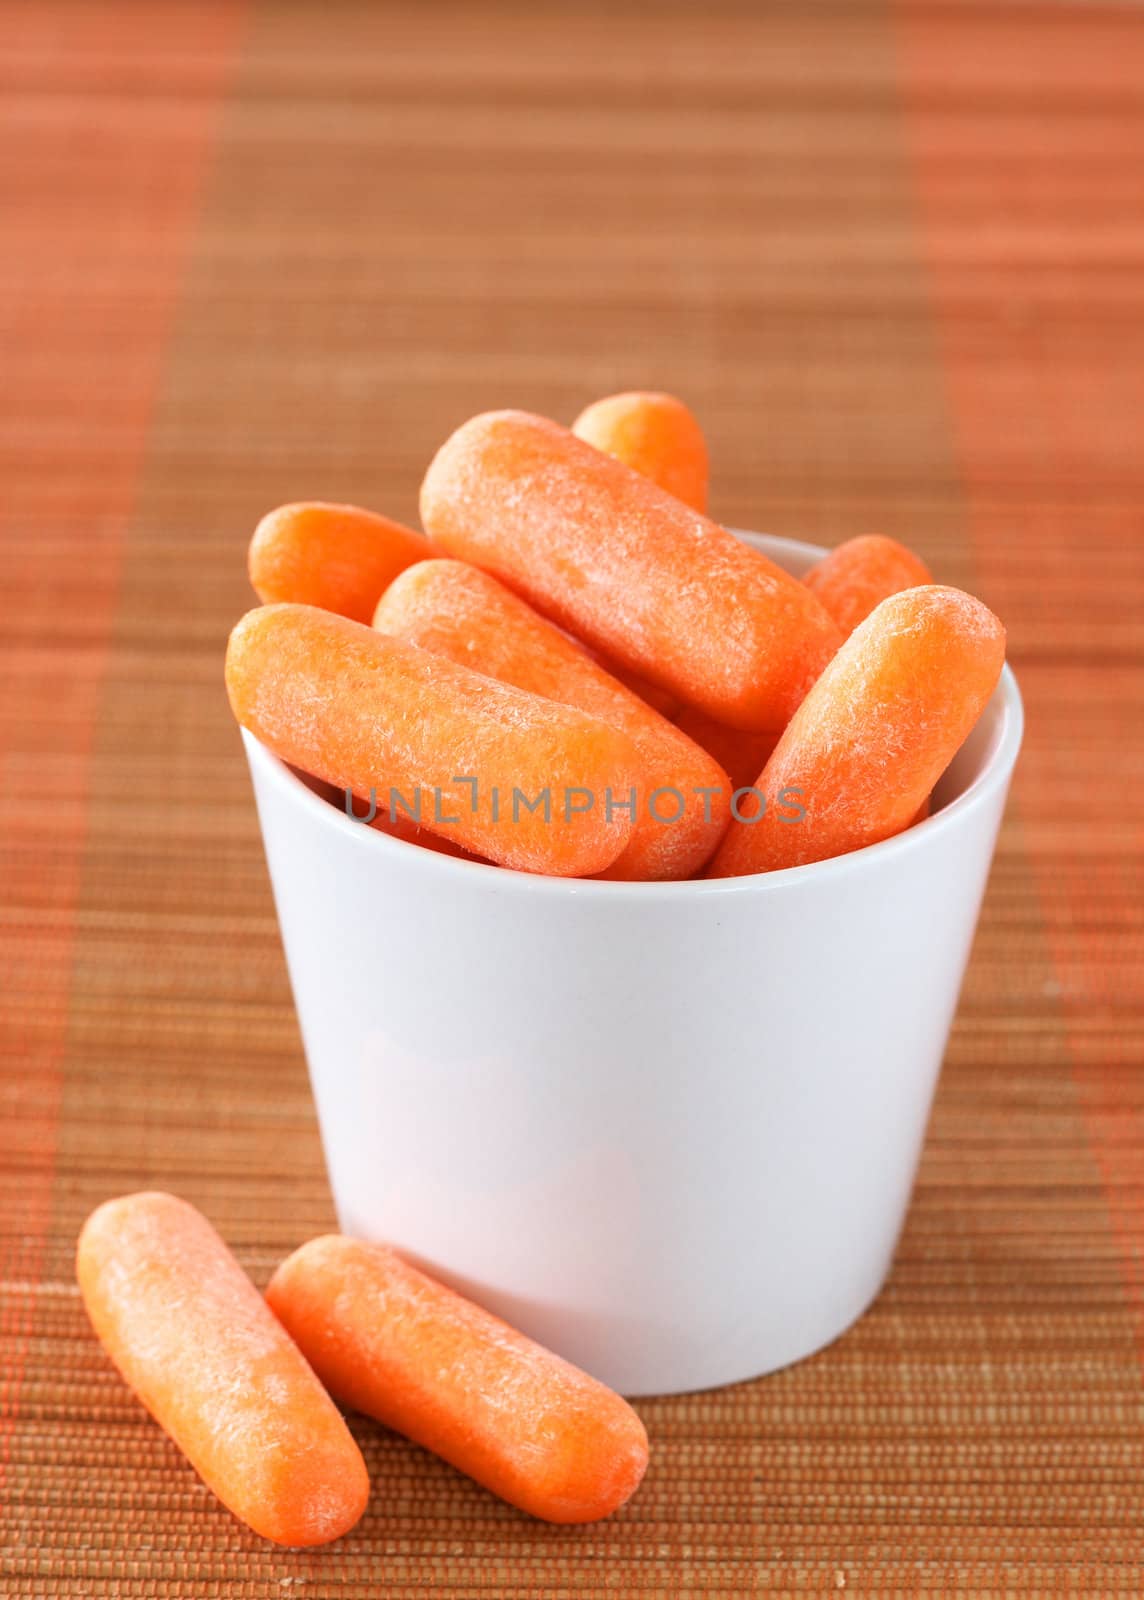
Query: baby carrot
x: 873, y: 736
x: 654, y: 434
x: 401, y: 1347
x: 860, y: 574
x: 741, y: 755
x: 338, y: 557
x: 398, y: 826
x: 517, y: 779
x: 196, y: 1342
x: 682, y: 797
x: 374, y: 815
x: 641, y: 577
x: 661, y: 700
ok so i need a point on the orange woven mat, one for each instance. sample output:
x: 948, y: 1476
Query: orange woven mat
x: 252, y: 253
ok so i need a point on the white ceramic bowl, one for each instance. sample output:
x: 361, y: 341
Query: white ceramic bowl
x: 670, y: 1130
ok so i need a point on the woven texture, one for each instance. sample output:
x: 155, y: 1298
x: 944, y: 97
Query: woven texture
x: 892, y: 256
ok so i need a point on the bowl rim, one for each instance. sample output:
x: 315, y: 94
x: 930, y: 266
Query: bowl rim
x: 995, y: 774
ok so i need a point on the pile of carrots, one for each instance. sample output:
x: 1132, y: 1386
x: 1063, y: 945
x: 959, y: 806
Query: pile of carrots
x: 572, y: 624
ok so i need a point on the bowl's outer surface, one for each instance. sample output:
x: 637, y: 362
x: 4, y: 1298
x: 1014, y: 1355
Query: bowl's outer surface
x: 668, y: 1130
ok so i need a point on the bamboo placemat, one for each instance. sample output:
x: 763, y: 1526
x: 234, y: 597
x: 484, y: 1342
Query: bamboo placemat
x: 893, y: 257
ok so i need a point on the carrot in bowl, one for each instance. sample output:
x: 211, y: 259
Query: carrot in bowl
x: 457, y: 611
x: 507, y: 775
x: 651, y: 584
x: 863, y: 752
x: 338, y: 557
x: 858, y: 575
x: 655, y: 434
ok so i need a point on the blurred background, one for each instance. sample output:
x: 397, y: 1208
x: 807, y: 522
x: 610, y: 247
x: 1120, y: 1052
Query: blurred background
x: 892, y: 254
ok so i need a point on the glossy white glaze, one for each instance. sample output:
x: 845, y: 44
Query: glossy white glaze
x: 669, y: 1130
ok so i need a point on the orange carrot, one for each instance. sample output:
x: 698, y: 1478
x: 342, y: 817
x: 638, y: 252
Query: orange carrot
x: 507, y: 775
x: 338, y: 557
x: 741, y: 755
x: 401, y: 1347
x: 373, y: 815
x: 682, y: 797
x: 399, y: 826
x: 858, y: 575
x: 654, y: 434
x: 196, y: 1342
x: 641, y: 577
x: 661, y: 700
x: 873, y: 736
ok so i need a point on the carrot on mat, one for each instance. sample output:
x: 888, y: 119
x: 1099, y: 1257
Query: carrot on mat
x: 401, y: 1347
x: 507, y: 775
x: 197, y: 1343
x: 654, y: 434
x: 607, y: 554
x: 865, y: 748
x: 338, y: 557
x: 683, y: 795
